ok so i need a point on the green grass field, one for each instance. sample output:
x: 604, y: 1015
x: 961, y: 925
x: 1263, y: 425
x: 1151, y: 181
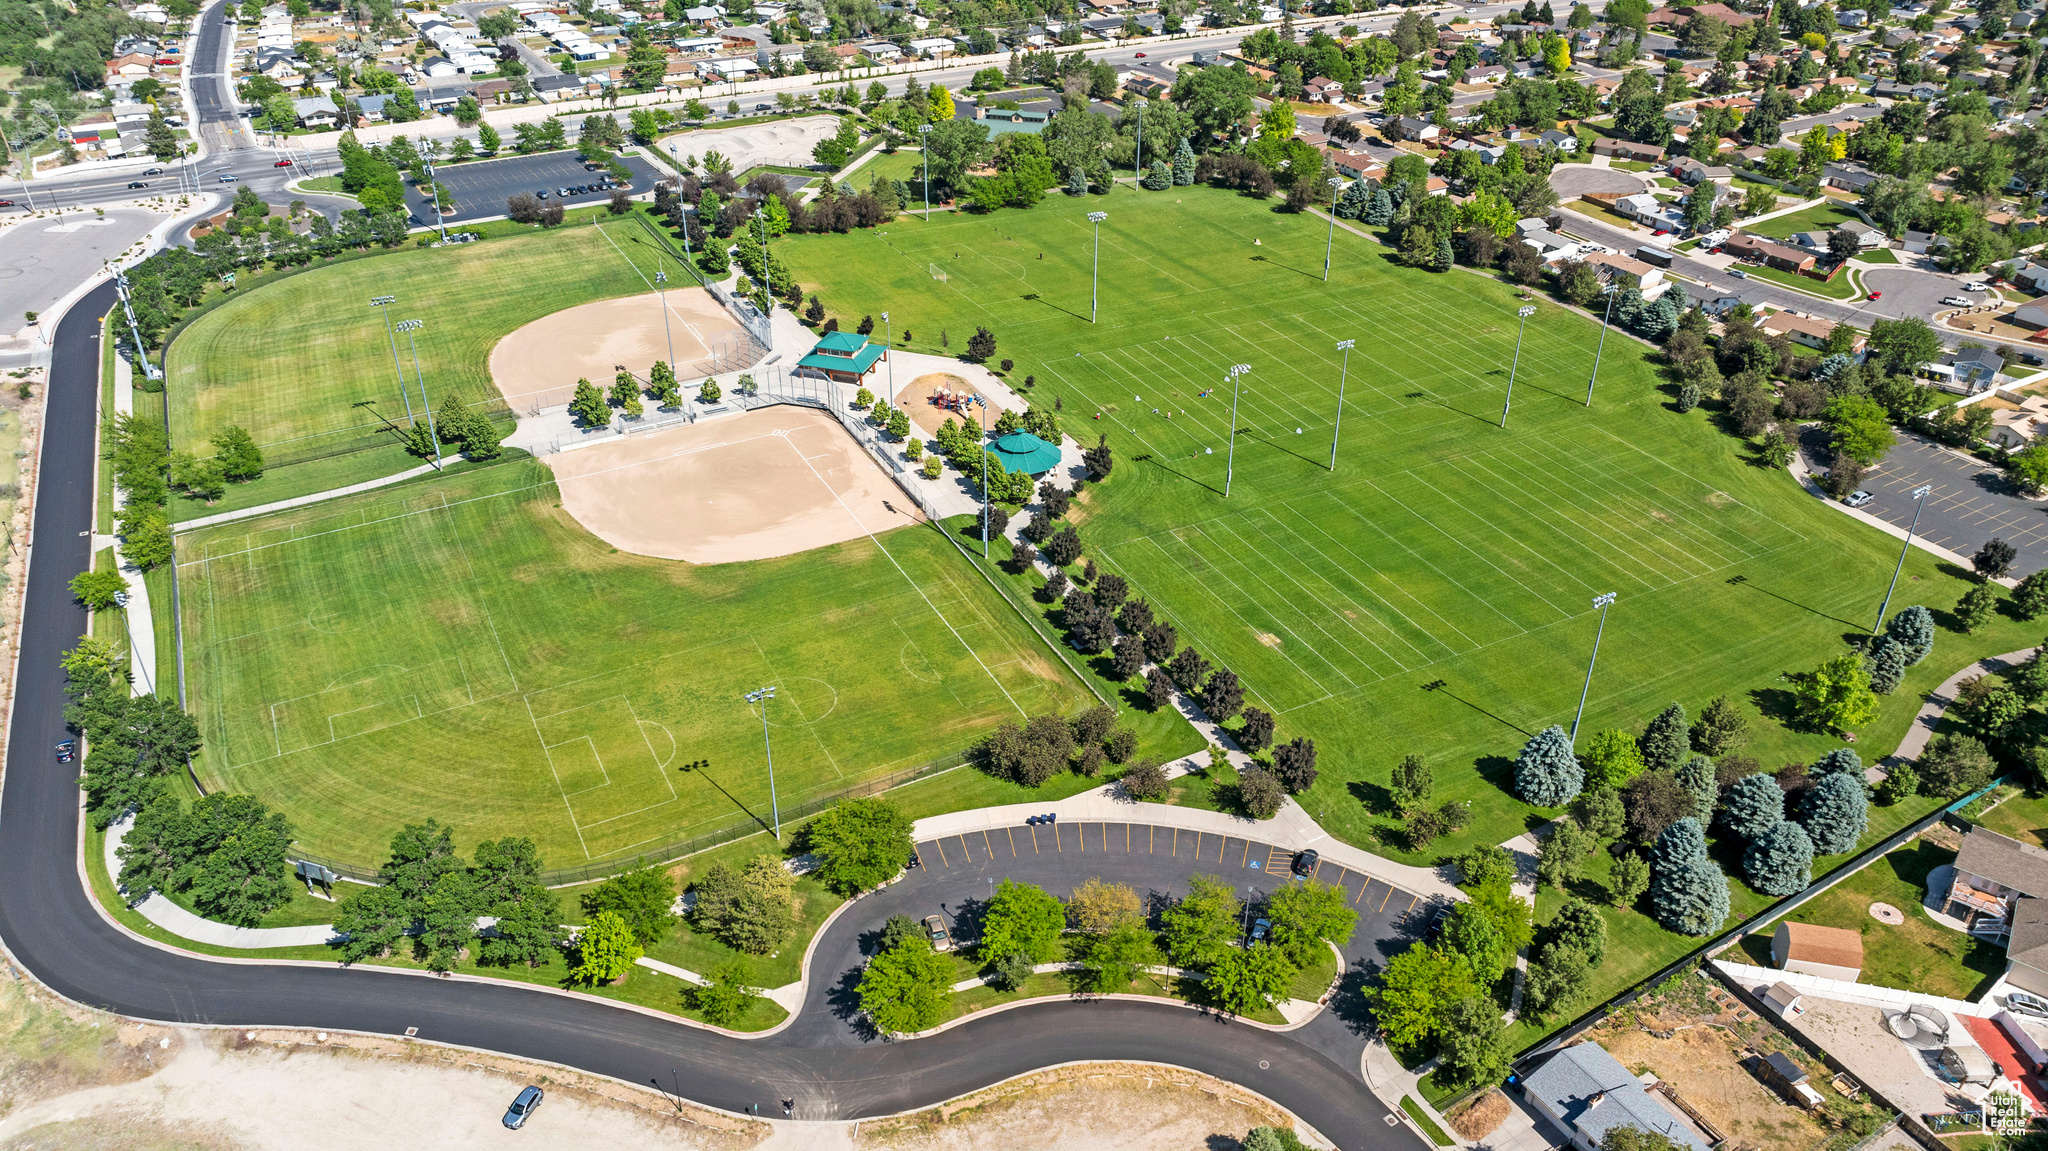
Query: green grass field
x: 464, y: 649
x: 1819, y: 218
x: 306, y: 364
x: 1443, y: 547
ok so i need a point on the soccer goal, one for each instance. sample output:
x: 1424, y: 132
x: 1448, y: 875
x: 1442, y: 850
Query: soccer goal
x: 938, y: 273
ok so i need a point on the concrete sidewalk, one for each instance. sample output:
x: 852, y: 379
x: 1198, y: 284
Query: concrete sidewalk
x: 180, y: 922
x: 138, y: 619
x: 301, y: 501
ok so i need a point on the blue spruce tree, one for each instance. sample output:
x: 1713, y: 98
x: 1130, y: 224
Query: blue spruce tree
x: 1183, y: 165
x: 1665, y: 742
x: 1755, y: 805
x: 1687, y: 892
x: 1886, y: 660
x: 1913, y: 628
x: 1159, y: 177
x: 1379, y: 211
x: 1780, y: 861
x: 1842, y: 760
x: 1356, y: 200
x: 1547, y: 773
x: 1835, y: 812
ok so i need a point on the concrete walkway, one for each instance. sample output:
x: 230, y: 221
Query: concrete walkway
x: 137, y: 619
x: 169, y: 916
x: 301, y: 501
x: 1939, y: 701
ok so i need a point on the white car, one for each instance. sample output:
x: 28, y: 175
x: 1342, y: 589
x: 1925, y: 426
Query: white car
x: 1955, y: 301
x: 1976, y: 287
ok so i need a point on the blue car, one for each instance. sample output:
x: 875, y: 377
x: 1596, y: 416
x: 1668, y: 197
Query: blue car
x: 523, y: 1107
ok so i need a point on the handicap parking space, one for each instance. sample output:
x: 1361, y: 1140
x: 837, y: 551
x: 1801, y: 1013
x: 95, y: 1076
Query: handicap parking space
x: 1970, y: 502
x: 481, y: 187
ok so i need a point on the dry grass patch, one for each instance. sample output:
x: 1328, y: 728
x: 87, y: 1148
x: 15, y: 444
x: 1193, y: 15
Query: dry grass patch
x: 1477, y: 1119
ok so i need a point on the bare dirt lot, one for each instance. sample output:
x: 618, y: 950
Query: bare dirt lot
x: 772, y: 482
x: 537, y: 366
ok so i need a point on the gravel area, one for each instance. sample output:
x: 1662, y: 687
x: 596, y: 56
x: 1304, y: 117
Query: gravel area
x: 1856, y: 1035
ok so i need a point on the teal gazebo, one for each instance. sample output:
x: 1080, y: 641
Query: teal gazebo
x: 1024, y: 452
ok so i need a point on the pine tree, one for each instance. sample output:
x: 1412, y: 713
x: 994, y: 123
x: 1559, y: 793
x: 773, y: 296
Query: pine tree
x: 1665, y: 743
x: 1780, y: 861
x: 1183, y: 165
x: 1755, y: 805
x: 1696, y: 775
x: 1687, y: 892
x: 1721, y: 727
x: 1445, y: 256
x: 1379, y: 210
x: 1835, y: 813
x: 1547, y: 773
x: 1886, y: 660
x: 1356, y: 200
x: 1628, y: 879
x: 2031, y: 597
x: 1841, y: 761
x: 1158, y: 178
x: 1077, y: 181
x: 1914, y: 628
x: 1412, y: 783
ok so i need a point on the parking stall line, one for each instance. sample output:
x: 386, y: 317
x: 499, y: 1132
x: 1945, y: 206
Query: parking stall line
x: 1247, y: 853
x: 1389, y: 895
x: 1080, y: 837
x: 1362, y: 889
x: 985, y: 846
x: 1127, y: 839
x: 1176, y: 843
x: 942, y: 853
x: 1034, y: 840
x: 1221, y: 848
x: 1058, y: 845
x: 1150, y: 834
x: 1011, y: 832
x: 919, y: 855
x: 966, y: 852
x: 1275, y: 858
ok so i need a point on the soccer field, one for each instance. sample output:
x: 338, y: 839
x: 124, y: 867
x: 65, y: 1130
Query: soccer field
x: 465, y: 650
x: 1433, y: 593
x: 305, y: 364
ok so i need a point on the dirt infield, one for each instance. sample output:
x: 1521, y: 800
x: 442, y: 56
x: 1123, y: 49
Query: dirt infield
x: 538, y: 364
x: 915, y: 398
x: 767, y: 483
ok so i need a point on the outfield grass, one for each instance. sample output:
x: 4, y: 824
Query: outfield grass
x: 463, y: 649
x: 1443, y: 548
x: 306, y: 364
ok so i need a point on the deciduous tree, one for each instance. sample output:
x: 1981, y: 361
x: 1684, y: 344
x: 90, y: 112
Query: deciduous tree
x: 860, y: 843
x: 606, y: 950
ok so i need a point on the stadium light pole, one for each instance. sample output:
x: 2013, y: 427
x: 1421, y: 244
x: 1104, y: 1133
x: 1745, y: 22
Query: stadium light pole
x: 409, y: 327
x: 1230, y: 460
x: 762, y: 696
x: 1525, y: 313
x: 1330, y: 240
x: 1602, y: 601
x: 924, y: 148
x: 1919, y: 501
x: 384, y: 303
x: 660, y: 278
x: 1343, y: 346
x: 983, y: 421
x: 1095, y: 277
x: 1606, y: 318
x: 888, y: 342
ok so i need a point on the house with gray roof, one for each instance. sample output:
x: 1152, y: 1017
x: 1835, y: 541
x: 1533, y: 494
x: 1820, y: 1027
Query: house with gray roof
x: 1587, y: 1092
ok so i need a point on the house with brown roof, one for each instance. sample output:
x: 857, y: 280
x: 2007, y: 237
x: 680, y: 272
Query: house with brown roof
x: 1829, y: 952
x: 1802, y: 329
x: 1992, y: 873
x: 1628, y: 150
x: 1322, y: 90
x: 1744, y: 246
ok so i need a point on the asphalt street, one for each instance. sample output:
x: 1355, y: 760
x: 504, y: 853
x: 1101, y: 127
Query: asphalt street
x: 1972, y: 502
x: 41, y: 260
x: 481, y: 187
x: 55, y: 931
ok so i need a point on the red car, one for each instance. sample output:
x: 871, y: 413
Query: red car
x: 282, y: 164
x: 1877, y: 295
x: 1141, y: 55
x: 6, y: 203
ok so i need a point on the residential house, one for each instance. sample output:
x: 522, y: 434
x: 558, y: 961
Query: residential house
x: 1829, y: 952
x: 2013, y: 429
x: 1744, y: 246
x: 846, y: 357
x: 1627, y: 271
x: 1486, y: 74
x: 370, y: 109
x: 1587, y: 1092
x: 316, y: 112
x: 1551, y: 246
x: 1565, y: 142
x: 1692, y: 171
x: 1710, y: 300
x: 1848, y: 177
x: 2027, y: 276
x: 1806, y: 330
x: 1920, y: 243
x: 1628, y: 150
x: 439, y: 67
x: 1413, y: 128
x: 936, y: 47
x: 2034, y: 316
x: 1993, y: 872
x: 130, y: 66
x: 1322, y: 90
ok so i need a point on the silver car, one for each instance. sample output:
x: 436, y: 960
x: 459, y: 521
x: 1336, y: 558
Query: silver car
x: 1857, y: 499
x: 2021, y: 1003
x: 523, y: 1107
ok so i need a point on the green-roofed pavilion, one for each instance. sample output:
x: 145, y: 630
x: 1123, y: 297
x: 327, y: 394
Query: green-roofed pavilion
x: 844, y: 356
x: 1024, y: 452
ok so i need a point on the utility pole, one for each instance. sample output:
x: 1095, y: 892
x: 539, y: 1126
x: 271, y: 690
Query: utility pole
x: 384, y: 303
x: 1095, y: 278
x: 1605, y: 319
x: 1230, y: 461
x: 888, y: 342
x: 1919, y: 501
x: 1343, y: 346
x: 762, y: 696
x: 1602, y: 601
x: 1525, y: 313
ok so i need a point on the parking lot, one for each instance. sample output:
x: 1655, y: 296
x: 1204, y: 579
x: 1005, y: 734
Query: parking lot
x: 1972, y: 502
x: 481, y: 187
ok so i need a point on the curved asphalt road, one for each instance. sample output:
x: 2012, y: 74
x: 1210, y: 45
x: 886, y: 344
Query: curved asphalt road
x: 52, y: 927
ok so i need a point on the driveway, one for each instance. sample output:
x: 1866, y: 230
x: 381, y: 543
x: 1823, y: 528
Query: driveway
x: 1972, y: 502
